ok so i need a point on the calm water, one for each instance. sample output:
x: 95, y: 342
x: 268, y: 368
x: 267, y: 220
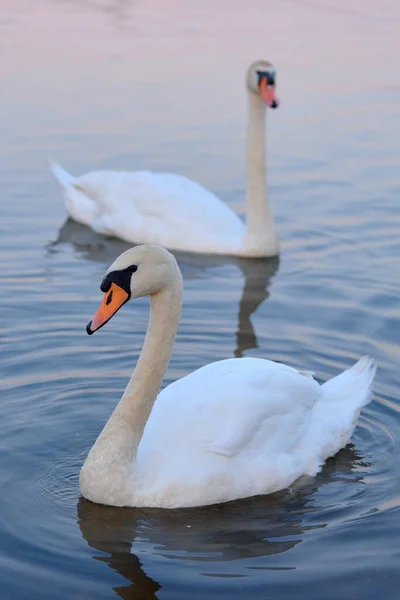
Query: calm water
x: 133, y: 84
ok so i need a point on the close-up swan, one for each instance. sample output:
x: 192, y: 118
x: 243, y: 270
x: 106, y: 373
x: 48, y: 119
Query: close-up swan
x: 232, y: 429
x: 176, y: 212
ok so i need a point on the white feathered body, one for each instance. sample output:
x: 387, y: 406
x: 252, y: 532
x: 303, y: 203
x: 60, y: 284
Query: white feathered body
x: 237, y: 428
x: 157, y: 208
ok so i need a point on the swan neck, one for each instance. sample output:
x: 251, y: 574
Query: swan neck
x: 261, y: 236
x: 145, y: 383
x: 120, y: 438
x: 137, y: 402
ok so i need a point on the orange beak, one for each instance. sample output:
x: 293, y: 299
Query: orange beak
x: 112, y: 301
x: 267, y: 92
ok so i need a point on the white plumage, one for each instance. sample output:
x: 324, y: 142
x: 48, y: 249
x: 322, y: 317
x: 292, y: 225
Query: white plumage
x: 159, y: 208
x: 232, y: 429
x: 176, y: 212
x: 246, y: 426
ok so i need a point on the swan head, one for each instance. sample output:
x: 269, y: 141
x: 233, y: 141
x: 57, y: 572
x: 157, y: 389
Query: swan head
x: 260, y: 80
x: 140, y: 271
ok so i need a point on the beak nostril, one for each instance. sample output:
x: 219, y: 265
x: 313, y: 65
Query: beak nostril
x: 109, y: 298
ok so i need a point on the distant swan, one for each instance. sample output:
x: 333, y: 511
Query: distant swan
x: 175, y: 212
x: 232, y: 429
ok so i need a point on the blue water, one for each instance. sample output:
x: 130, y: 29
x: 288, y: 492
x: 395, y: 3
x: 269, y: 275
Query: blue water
x: 137, y: 85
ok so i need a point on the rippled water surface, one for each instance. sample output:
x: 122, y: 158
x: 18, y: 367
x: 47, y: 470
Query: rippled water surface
x: 147, y: 84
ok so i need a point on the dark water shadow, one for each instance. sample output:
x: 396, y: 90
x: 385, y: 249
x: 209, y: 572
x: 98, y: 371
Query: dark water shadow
x: 257, y: 273
x: 262, y: 526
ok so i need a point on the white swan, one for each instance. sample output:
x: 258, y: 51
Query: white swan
x: 232, y: 429
x: 175, y: 212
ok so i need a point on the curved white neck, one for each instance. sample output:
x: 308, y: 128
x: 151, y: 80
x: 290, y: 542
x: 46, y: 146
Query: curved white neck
x: 141, y: 392
x: 118, y: 443
x: 261, y: 236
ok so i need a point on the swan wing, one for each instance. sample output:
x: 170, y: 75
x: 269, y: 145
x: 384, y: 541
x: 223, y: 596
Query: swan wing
x: 235, y: 406
x: 159, y: 208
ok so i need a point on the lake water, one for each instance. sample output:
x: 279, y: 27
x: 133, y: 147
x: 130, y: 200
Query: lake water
x: 148, y: 84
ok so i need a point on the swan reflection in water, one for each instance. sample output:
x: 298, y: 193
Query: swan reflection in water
x: 257, y: 272
x: 127, y: 539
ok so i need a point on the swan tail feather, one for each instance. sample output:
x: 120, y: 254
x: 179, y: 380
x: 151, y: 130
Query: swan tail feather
x: 354, y: 384
x: 64, y: 178
x: 336, y: 414
x: 80, y: 207
x: 365, y: 366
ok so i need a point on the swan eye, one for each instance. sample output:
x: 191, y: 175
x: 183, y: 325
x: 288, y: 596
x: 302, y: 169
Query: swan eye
x: 132, y: 269
x: 269, y: 74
